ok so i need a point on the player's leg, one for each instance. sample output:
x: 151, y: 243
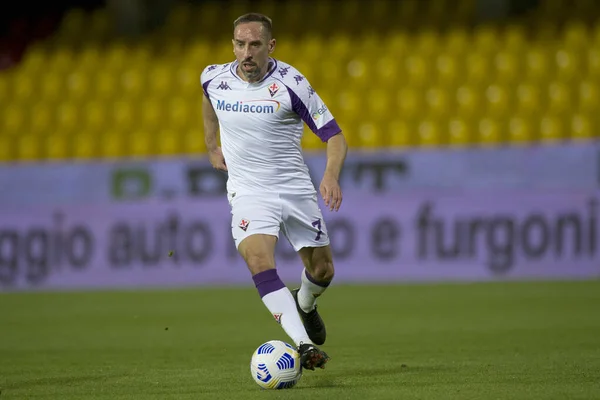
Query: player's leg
x: 305, y: 229
x: 258, y: 251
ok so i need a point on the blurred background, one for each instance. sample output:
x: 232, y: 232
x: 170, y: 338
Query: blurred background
x: 494, y: 103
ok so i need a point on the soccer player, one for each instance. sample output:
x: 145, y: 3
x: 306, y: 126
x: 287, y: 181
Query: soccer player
x: 258, y: 105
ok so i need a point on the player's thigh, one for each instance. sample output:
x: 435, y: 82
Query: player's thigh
x: 255, y: 224
x: 303, y: 223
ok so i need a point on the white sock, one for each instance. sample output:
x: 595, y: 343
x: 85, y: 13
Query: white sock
x: 283, y: 307
x: 308, y: 293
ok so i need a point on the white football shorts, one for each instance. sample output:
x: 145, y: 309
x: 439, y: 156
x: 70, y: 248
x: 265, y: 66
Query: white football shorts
x: 297, y: 216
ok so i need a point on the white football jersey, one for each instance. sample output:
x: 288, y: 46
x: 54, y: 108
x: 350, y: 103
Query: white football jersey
x: 261, y: 125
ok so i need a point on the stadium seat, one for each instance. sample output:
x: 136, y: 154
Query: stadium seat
x: 85, y: 144
x: 468, y: 101
x: 56, y: 147
x: 52, y: 87
x: 582, y: 127
x: 447, y: 69
x: 370, y: 136
x: 528, y: 98
x: 401, y: 133
x: 537, y: 64
x: 105, y: 83
x: 67, y: 117
x: 568, y: 65
x: 507, y: 68
x: 551, y: 129
x: 151, y: 113
x: 168, y: 142
x: 193, y: 142
x: 41, y: 118
x: 379, y: 104
x: 498, y: 100
x: 5, y: 87
x: 575, y: 35
x: 593, y: 62
x: 122, y: 115
x: 559, y: 97
x: 430, y: 133
x: 410, y: 102
x: 514, y: 39
x: 139, y: 143
x: 77, y: 85
x: 457, y: 41
x: 459, y: 133
x: 418, y: 70
x: 477, y: 68
x: 589, y: 97
x: 113, y: 144
x: 179, y: 115
x: 14, y: 119
x: 437, y: 102
x: 520, y: 131
x: 28, y: 147
x: 489, y: 132
x: 6, y: 149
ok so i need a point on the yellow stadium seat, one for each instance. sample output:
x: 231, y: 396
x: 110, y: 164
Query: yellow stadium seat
x: 77, y: 85
x: 123, y: 115
x: 6, y: 148
x: 94, y: 115
x: 140, y: 143
x: 477, y: 68
x: 349, y: 102
x: 520, y: 131
x: 551, y: 129
x: 57, y: 147
x: 52, y: 87
x: 151, y: 113
x: 410, y: 102
x: 387, y: 69
x: 593, y: 62
x: 437, y: 102
x: 41, y: 118
x: 430, y: 133
x: 28, y: 147
x: 85, y: 144
x: 34, y: 60
x: 106, y: 85
x: 193, y: 142
x: 310, y: 47
x: 116, y: 57
x: 582, y: 127
x: 489, y: 132
x: 23, y: 87
x: 371, y: 136
x: 5, y: 86
x: 559, y: 97
x: 67, y: 117
x: 88, y: 59
x: 426, y: 42
x: 397, y: 43
x: 168, y: 142
x: 418, y: 70
x: 180, y: 115
x: 459, y: 132
x: 568, y: 64
x: 131, y: 82
x: 195, y: 57
x: 528, y: 98
x: 575, y: 35
x: 359, y: 72
x: 486, y: 39
x: 187, y: 82
x: 13, y: 121
x: 514, y: 38
x: 456, y: 41
x: 507, y: 67
x: 379, y: 104
x: 498, y: 100
x: 113, y: 144
x: 60, y: 60
x: 537, y: 64
x: 589, y: 97
x: 401, y: 133
x: 339, y: 47
x: 468, y: 101
x: 447, y: 69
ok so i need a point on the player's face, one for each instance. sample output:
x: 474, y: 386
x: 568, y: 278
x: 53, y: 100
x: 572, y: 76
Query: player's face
x: 252, y: 46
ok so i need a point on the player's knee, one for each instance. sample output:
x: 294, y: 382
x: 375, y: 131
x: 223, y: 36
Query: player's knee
x: 323, y: 271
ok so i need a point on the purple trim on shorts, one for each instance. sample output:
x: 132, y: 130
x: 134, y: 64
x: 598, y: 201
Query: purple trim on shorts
x: 326, y: 132
x: 267, y: 282
x: 312, y: 280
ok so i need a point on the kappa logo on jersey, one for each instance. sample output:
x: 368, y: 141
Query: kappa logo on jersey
x: 223, y: 86
x: 244, y: 224
x: 273, y: 89
x: 277, y: 317
x: 250, y: 106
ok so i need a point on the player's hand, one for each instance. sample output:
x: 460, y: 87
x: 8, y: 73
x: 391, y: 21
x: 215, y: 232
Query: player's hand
x: 331, y: 193
x: 217, y: 160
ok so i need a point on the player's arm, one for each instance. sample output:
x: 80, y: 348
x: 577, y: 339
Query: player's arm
x: 330, y: 189
x: 211, y: 127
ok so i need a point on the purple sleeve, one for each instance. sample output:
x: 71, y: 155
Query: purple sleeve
x: 205, y: 88
x: 326, y: 131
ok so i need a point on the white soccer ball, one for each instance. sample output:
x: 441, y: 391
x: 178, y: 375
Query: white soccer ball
x: 276, y: 365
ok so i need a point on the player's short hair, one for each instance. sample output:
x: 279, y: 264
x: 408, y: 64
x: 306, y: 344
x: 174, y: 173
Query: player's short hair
x: 256, y: 17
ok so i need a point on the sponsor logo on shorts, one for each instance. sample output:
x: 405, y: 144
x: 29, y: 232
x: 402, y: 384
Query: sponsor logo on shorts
x: 244, y: 224
x: 277, y: 317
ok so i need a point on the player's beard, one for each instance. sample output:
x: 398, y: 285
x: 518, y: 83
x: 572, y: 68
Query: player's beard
x: 251, y: 74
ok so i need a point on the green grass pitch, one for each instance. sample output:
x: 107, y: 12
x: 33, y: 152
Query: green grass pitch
x: 444, y: 341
